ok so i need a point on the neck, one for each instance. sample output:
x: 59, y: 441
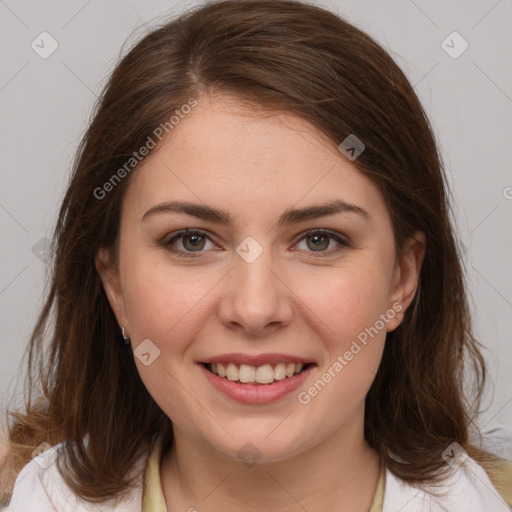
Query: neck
x: 339, y: 473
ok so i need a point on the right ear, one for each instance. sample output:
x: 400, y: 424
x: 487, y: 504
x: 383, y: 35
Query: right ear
x: 109, y: 275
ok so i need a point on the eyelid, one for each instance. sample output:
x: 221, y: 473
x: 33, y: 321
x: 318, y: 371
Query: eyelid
x: 169, y: 240
x: 338, y: 237
x: 333, y: 235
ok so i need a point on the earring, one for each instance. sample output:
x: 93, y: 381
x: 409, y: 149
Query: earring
x: 126, y: 338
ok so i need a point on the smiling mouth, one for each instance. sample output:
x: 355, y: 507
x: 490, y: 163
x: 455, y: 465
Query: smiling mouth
x: 248, y: 374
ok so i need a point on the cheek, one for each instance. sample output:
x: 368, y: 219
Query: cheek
x: 347, y: 301
x: 163, y: 305
x: 159, y: 299
x: 353, y: 334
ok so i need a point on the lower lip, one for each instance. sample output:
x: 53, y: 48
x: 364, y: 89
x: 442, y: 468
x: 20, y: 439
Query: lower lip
x: 258, y: 393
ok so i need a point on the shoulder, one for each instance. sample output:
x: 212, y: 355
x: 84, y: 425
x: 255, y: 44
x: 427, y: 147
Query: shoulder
x: 501, y: 477
x: 39, y: 487
x: 467, y: 487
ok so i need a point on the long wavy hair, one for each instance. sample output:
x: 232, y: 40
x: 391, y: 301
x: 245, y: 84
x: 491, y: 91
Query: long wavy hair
x: 83, y: 388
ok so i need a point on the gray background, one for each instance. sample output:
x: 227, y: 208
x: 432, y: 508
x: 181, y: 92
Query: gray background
x: 45, y: 104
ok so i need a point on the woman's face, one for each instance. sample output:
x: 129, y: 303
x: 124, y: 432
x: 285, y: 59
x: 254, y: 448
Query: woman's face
x: 250, y: 290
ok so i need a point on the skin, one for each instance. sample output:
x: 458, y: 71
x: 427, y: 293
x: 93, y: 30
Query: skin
x: 289, y: 300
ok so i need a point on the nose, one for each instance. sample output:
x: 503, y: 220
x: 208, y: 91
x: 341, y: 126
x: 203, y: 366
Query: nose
x: 256, y: 299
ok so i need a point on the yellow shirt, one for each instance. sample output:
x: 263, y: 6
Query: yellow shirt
x: 153, y: 497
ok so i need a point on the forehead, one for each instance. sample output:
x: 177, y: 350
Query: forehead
x: 226, y: 153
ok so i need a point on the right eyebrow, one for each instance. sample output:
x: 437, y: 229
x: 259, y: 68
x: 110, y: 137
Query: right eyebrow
x: 290, y: 216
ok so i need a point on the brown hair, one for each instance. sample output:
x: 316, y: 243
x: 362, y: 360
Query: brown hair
x: 283, y: 56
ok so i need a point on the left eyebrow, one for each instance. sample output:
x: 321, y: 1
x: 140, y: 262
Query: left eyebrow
x: 290, y: 216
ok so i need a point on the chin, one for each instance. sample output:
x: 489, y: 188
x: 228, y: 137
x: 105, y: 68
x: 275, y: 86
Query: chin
x: 255, y: 444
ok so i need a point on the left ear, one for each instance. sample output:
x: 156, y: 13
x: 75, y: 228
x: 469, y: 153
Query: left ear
x: 406, y: 274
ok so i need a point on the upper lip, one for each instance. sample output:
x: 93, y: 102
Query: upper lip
x: 255, y: 360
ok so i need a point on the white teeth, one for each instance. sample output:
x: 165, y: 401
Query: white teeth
x: 248, y: 374
x: 280, y: 371
x: 232, y: 372
x: 265, y: 374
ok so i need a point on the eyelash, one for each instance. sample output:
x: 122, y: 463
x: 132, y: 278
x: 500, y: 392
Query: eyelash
x: 322, y: 254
